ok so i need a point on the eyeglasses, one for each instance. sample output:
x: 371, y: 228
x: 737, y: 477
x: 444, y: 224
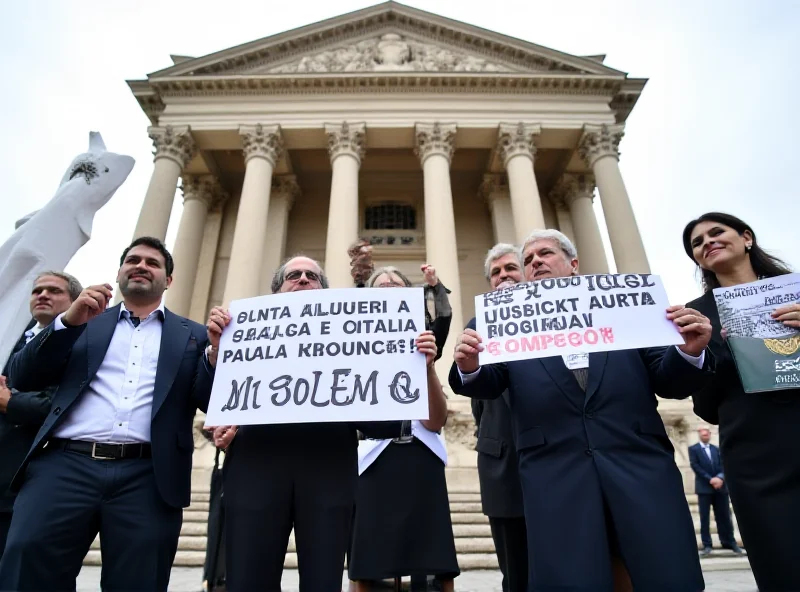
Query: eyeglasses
x: 296, y: 274
x: 389, y: 285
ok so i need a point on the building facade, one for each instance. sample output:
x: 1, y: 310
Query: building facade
x: 431, y: 138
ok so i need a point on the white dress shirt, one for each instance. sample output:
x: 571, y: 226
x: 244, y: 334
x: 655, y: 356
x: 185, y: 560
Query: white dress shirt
x: 696, y: 361
x: 370, y: 450
x: 116, y: 406
x: 707, y: 448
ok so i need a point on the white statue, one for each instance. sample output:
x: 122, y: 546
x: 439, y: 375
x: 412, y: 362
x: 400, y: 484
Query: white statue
x: 49, y: 237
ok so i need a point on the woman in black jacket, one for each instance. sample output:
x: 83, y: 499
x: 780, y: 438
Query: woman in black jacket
x: 758, y: 431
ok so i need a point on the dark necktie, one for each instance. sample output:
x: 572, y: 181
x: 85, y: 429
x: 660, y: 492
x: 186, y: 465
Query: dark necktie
x: 135, y: 321
x: 582, y: 376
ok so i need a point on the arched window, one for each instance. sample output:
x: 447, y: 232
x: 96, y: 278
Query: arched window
x: 390, y: 216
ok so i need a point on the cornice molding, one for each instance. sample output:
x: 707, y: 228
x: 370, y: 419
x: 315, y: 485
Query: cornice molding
x: 435, y: 138
x: 175, y: 143
x: 262, y: 141
x: 346, y: 138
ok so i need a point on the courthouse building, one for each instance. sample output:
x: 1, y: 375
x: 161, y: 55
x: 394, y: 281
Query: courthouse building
x: 431, y: 138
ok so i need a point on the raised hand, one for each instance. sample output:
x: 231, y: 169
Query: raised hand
x: 91, y: 302
x: 693, y: 327
x: 468, y: 346
x: 426, y: 344
x: 429, y: 271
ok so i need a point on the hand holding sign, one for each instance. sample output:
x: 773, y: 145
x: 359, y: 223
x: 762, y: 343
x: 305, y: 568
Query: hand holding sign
x: 789, y: 315
x: 426, y: 344
x: 693, y: 327
x: 218, y: 319
x: 468, y: 347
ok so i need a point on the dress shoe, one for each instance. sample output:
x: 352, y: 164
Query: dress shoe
x: 735, y: 548
x: 705, y: 552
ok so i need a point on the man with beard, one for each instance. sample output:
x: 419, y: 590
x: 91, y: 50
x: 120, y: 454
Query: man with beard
x: 284, y: 476
x: 501, y: 494
x: 114, y: 455
x: 596, y: 466
x: 21, y: 414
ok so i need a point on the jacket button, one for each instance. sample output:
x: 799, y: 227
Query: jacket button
x: 589, y: 415
x: 57, y: 410
x: 589, y: 452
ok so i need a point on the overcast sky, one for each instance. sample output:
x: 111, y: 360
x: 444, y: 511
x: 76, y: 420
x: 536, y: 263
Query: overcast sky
x: 715, y: 129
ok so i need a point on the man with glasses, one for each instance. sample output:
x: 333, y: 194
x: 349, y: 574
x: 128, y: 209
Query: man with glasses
x: 284, y: 476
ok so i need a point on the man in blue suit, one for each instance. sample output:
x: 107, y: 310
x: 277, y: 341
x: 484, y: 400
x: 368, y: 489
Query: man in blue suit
x: 597, y: 469
x: 114, y: 454
x: 709, y: 485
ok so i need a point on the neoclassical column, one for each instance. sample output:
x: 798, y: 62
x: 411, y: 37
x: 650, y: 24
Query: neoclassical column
x: 263, y: 146
x: 435, y: 144
x: 174, y: 148
x: 517, y: 146
x: 199, y: 194
x: 284, y: 192
x: 576, y: 192
x: 599, y: 148
x: 346, y: 145
x: 494, y: 190
x: 563, y: 218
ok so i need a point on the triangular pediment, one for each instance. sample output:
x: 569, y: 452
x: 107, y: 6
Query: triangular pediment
x: 389, y: 37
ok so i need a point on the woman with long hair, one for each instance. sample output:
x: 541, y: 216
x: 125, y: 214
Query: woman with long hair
x: 402, y: 521
x: 758, y: 440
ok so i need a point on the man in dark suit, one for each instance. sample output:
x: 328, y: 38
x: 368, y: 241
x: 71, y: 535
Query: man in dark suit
x: 501, y: 493
x: 709, y: 485
x: 301, y: 476
x: 21, y: 414
x: 114, y: 455
x: 595, y: 461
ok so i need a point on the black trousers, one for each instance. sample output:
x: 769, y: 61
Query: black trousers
x: 5, y: 523
x: 511, y: 543
x: 66, y: 500
x: 722, y: 514
x: 271, y: 487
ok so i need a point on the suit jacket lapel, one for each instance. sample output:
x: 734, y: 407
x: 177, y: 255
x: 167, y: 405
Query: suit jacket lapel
x: 562, y: 376
x: 98, y: 334
x: 597, y: 366
x: 174, y: 337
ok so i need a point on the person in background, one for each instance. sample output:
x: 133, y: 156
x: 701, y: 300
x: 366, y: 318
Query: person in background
x: 758, y: 442
x: 501, y: 493
x: 709, y: 485
x: 22, y: 414
x: 389, y: 499
x: 596, y: 463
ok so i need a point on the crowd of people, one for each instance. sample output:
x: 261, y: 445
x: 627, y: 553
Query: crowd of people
x: 577, y: 473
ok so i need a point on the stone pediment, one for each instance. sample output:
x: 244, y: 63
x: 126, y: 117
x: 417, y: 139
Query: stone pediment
x: 389, y: 37
x: 390, y: 52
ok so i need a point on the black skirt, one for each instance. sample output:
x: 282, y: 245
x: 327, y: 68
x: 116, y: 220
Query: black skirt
x: 402, y: 521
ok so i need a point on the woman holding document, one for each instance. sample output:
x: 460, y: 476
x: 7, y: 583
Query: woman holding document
x: 758, y: 430
x: 402, y: 520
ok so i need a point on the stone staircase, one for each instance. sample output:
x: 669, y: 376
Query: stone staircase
x: 471, y: 529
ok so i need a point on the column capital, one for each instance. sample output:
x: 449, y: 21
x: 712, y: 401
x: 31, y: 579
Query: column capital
x: 346, y: 138
x: 286, y: 185
x: 203, y: 188
x: 572, y: 186
x: 598, y: 141
x: 262, y: 141
x: 175, y: 143
x: 493, y: 186
x: 517, y: 139
x: 435, y: 138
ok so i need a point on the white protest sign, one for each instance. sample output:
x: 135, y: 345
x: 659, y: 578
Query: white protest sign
x: 322, y: 356
x: 571, y: 315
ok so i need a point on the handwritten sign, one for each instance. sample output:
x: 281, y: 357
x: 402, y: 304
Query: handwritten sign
x: 766, y: 352
x: 322, y: 356
x: 571, y: 315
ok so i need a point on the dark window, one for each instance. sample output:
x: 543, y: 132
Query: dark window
x: 390, y: 216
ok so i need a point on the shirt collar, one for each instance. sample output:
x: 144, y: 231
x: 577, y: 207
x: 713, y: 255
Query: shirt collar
x: 125, y: 313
